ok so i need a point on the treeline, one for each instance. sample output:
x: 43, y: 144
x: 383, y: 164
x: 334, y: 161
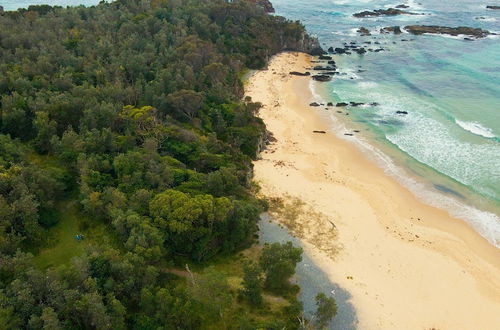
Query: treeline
x: 133, y: 108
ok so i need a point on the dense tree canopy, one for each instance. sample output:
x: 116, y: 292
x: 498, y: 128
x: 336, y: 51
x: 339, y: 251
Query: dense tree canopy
x: 132, y: 111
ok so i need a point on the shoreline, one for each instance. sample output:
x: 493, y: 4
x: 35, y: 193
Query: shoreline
x: 405, y: 263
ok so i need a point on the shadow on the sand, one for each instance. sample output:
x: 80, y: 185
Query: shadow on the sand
x: 311, y: 279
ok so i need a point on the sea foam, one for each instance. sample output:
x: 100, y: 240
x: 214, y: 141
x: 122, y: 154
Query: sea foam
x: 476, y: 128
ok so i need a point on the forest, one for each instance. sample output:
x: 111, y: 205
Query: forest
x: 126, y: 193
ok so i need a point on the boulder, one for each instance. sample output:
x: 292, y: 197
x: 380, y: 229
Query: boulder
x: 364, y: 31
x: 295, y: 73
x: 399, y: 112
x: 360, y: 51
x: 324, y: 68
x: 329, y: 104
x: 402, y: 6
x: 391, y: 29
x: 331, y: 50
x: 341, y: 104
x: 314, y: 104
x: 325, y: 57
x: 356, y: 104
x: 493, y: 7
x: 322, y: 77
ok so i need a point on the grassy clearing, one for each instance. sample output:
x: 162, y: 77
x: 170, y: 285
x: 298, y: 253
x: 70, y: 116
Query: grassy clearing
x: 61, y: 242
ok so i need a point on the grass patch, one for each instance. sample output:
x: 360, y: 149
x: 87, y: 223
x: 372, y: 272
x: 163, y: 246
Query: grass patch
x: 61, y: 243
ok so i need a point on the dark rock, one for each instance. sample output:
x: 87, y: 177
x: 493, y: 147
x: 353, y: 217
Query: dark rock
x: 314, y: 104
x: 374, y: 104
x: 330, y: 104
x: 331, y: 50
x: 399, y: 112
x: 324, y: 57
x: 391, y: 29
x: 348, y: 134
x: 295, y: 73
x: 356, y: 131
x: 322, y: 78
x: 356, y: 104
x: 364, y: 31
x: 361, y: 51
x: 454, y: 31
x: 402, y: 6
x: 383, y: 12
x: 321, y: 132
x: 341, y: 104
x: 324, y: 68
x: 468, y: 39
x: 378, y: 50
x: 331, y: 63
x: 493, y: 7
x: 331, y: 73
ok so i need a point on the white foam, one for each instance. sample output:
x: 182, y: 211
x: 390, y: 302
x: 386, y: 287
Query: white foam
x: 476, y: 128
x: 487, y: 224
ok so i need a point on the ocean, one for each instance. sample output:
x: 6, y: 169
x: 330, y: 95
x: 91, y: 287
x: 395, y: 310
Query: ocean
x: 446, y: 149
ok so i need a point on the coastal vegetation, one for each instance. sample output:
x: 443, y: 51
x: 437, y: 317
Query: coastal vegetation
x: 126, y: 198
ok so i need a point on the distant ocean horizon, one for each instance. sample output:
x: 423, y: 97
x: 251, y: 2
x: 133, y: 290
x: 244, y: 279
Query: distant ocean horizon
x: 446, y: 149
x: 16, y: 4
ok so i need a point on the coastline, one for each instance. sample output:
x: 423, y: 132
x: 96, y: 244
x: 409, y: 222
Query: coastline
x: 405, y: 263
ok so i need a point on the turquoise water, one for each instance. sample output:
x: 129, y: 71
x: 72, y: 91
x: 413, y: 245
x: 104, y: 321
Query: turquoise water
x: 449, y: 142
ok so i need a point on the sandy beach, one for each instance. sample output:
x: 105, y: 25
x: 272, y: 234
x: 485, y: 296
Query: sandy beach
x: 407, y: 265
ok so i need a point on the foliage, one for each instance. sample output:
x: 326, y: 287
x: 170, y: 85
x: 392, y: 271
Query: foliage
x: 252, y: 284
x: 326, y: 310
x: 124, y: 122
x: 278, y: 262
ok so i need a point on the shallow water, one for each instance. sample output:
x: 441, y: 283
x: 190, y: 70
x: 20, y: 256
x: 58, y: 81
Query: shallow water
x: 311, y: 278
x: 449, y: 142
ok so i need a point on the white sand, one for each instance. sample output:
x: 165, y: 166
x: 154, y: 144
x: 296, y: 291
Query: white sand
x: 407, y: 273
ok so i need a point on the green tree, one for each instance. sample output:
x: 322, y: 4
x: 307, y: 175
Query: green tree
x: 252, y: 283
x: 278, y: 262
x: 326, y: 310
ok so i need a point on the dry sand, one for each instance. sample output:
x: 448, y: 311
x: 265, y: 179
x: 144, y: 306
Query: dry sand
x: 406, y: 264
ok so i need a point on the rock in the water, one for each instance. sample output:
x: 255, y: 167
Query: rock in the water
x: 331, y: 50
x: 383, y: 12
x: 399, y: 112
x: 374, y: 104
x: 493, y: 7
x: 356, y: 104
x: 391, y: 29
x: 402, y: 6
x: 324, y: 57
x: 341, y: 104
x: 453, y: 31
x: 295, y: 73
x: 329, y: 104
x: 332, y: 63
x: 364, y: 31
x: 324, y: 68
x: 360, y: 51
x: 322, y: 77
x: 314, y: 104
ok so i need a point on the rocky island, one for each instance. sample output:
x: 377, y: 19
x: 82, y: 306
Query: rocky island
x: 383, y: 12
x: 453, y: 31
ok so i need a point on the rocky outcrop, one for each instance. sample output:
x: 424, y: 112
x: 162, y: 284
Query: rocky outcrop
x: 453, y: 31
x: 364, y: 32
x: 264, y: 4
x: 391, y: 29
x: 383, y: 12
x: 322, y: 77
x: 493, y: 7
